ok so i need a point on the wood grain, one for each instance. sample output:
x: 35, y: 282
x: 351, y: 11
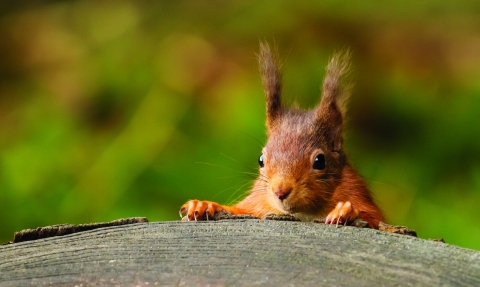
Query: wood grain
x: 242, y: 252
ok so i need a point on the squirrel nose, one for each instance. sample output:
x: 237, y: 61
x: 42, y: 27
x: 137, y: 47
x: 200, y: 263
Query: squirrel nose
x: 282, y: 193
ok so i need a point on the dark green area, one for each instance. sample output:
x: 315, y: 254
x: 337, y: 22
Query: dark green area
x: 129, y: 108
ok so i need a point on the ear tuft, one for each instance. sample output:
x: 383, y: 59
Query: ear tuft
x: 335, y: 93
x: 335, y: 90
x: 272, y: 82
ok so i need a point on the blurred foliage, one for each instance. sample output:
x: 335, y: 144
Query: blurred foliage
x: 113, y: 109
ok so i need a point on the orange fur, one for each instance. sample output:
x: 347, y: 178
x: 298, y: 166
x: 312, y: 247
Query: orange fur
x: 304, y: 170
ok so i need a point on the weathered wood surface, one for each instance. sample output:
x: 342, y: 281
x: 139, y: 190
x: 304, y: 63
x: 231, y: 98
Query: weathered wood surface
x: 237, y: 253
x: 64, y: 229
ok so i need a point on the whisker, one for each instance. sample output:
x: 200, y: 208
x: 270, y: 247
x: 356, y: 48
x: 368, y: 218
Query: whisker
x: 238, y: 198
x: 230, y: 158
x: 216, y: 165
x: 224, y: 190
x: 260, y: 144
x: 240, y: 191
x: 250, y: 173
x: 239, y: 188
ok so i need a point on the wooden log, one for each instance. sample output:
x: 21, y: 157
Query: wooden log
x: 241, y: 252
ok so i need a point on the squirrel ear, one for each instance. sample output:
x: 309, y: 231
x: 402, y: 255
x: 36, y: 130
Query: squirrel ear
x: 271, y: 79
x: 331, y: 109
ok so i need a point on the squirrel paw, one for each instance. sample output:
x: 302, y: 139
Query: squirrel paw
x: 343, y: 213
x: 196, y: 209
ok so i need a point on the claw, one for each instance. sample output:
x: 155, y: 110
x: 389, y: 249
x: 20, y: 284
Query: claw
x: 343, y: 211
x: 195, y: 210
x: 339, y: 220
x: 182, y: 211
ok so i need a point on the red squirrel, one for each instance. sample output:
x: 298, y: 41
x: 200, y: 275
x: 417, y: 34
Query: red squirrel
x: 303, y: 168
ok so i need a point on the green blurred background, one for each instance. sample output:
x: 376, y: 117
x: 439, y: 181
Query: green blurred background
x: 113, y: 109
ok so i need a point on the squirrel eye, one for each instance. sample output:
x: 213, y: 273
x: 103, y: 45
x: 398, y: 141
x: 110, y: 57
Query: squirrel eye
x: 319, y: 162
x: 260, y: 161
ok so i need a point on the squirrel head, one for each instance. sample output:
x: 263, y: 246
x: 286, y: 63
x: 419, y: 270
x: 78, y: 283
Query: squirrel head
x: 302, y: 160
